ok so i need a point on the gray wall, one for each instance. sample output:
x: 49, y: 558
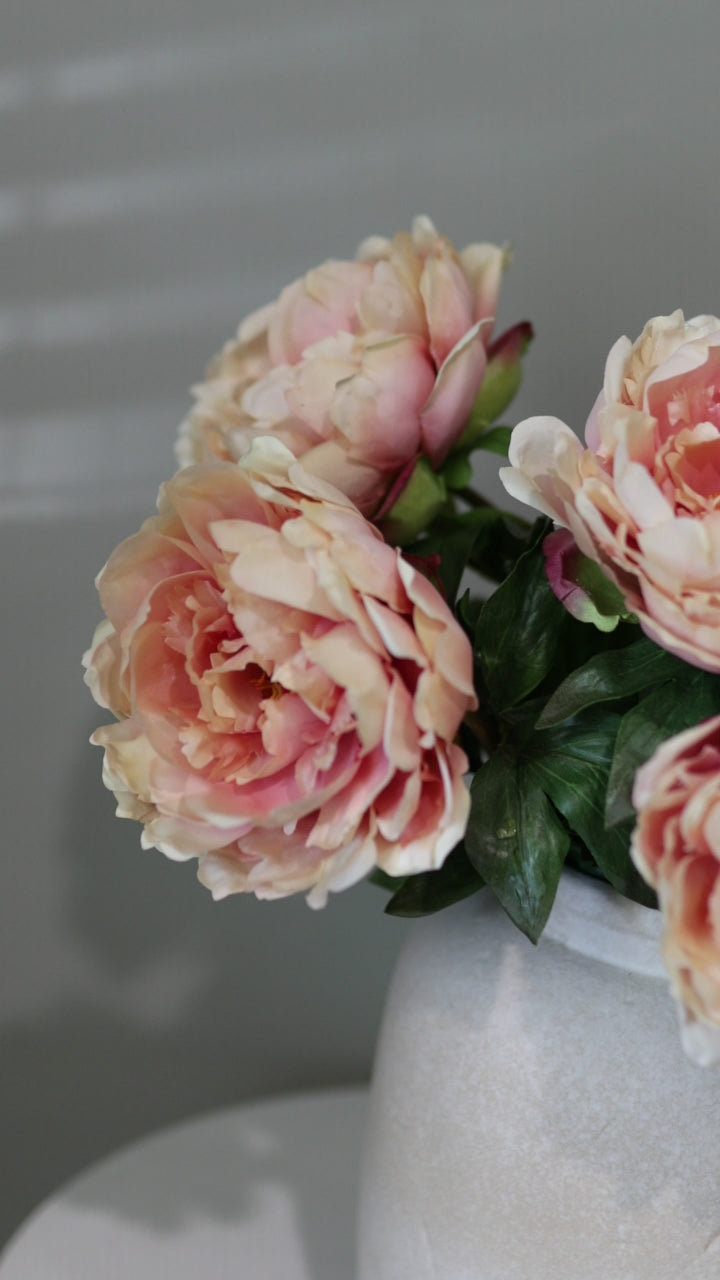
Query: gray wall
x: 166, y: 166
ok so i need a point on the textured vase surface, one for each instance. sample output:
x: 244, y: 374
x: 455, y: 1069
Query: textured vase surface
x: 533, y: 1114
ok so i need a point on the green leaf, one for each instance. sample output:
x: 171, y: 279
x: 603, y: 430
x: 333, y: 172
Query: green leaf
x: 499, y: 543
x: 383, y: 881
x: 457, y: 472
x: 608, y: 600
x: 432, y: 891
x: 481, y: 436
x: 617, y: 673
x: 422, y: 498
x: 522, y: 628
x: 496, y: 440
x: 516, y: 841
x: 468, y: 610
x: 455, y: 540
x: 500, y: 384
x: 679, y: 704
x: 572, y: 765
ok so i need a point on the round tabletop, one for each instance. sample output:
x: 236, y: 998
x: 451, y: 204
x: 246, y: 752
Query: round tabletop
x: 264, y: 1191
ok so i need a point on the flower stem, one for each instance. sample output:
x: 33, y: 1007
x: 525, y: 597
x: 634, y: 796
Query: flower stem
x: 484, y: 732
x: 473, y: 498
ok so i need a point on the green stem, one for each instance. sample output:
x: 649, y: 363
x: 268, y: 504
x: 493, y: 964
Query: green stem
x: 485, y: 732
x: 473, y: 498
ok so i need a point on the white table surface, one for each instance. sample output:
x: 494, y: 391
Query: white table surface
x: 264, y: 1191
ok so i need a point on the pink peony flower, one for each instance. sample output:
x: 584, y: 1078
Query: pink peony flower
x: 676, y: 847
x: 287, y: 686
x: 643, y: 498
x: 360, y: 367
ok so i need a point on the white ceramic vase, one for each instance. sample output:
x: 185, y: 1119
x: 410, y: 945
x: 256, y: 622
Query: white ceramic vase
x: 533, y: 1114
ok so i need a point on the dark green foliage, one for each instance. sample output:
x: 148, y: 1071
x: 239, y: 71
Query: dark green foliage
x: 678, y: 704
x: 515, y: 840
x: 488, y: 539
x: 431, y: 891
x: 496, y: 440
x: 608, y: 677
x: 555, y: 694
x: 522, y: 629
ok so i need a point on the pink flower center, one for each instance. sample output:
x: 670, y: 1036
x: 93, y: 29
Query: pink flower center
x: 696, y: 474
x: 688, y: 399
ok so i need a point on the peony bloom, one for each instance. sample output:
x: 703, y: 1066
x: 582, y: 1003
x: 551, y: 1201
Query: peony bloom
x: 676, y: 846
x: 360, y: 367
x: 287, y: 687
x: 643, y: 498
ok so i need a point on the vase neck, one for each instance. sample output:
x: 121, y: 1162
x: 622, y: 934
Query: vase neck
x: 589, y: 917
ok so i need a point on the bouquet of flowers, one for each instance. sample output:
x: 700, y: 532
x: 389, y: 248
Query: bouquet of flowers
x: 326, y: 630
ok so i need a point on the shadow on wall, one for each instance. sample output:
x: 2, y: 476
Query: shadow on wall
x: 173, y: 1004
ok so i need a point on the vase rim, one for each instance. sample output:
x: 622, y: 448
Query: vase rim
x: 591, y: 918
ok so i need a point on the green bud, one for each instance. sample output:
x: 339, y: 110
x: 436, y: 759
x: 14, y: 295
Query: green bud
x: 423, y: 497
x: 503, y: 376
x: 457, y: 472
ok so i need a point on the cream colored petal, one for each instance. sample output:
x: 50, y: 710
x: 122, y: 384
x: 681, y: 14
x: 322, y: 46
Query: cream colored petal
x: 311, y: 395
x: 429, y: 850
x: 266, y: 400
x: 396, y: 633
x: 395, y: 381
x: 439, y: 632
x: 685, y: 550
x: 545, y: 458
x: 360, y: 553
x: 592, y: 426
x: 575, y: 522
x: 388, y: 306
x: 641, y: 497
x: 424, y: 233
x: 361, y: 482
x: 401, y: 739
x: 129, y: 759
x: 615, y: 368
x: 598, y: 506
x: 665, y: 620
x: 484, y: 265
x: 256, y: 323
x: 104, y: 668
x: 373, y: 248
x: 348, y: 867
x: 265, y: 565
x: 339, y: 818
x: 181, y: 839
x: 308, y: 484
x: 545, y: 445
x: 526, y: 490
x: 316, y: 307
x: 343, y: 599
x: 449, y: 302
x: 223, y: 875
x: 394, y: 816
x: 438, y: 707
x: 688, y: 357
x: 353, y: 666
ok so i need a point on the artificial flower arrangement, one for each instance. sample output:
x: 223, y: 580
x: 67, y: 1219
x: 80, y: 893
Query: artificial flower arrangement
x: 326, y: 630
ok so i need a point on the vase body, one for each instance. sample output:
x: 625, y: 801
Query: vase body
x: 533, y: 1115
